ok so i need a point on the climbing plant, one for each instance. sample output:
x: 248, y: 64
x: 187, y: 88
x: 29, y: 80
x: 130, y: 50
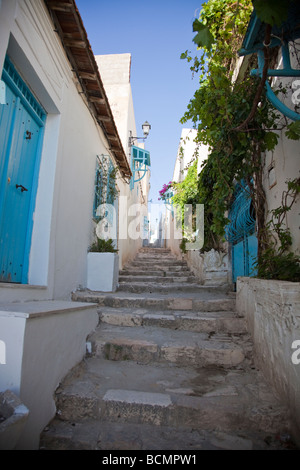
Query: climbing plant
x: 276, y: 261
x: 232, y: 116
x: 105, y: 186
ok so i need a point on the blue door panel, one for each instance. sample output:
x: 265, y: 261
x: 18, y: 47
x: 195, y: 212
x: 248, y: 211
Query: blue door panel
x: 7, y: 114
x: 240, y: 232
x: 252, y: 254
x: 238, y: 258
x: 21, y: 136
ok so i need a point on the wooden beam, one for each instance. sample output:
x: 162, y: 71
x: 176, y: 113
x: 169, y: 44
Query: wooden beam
x: 112, y: 137
x: 75, y: 43
x: 59, y: 6
x: 103, y: 118
x: 87, y: 75
x: 96, y: 99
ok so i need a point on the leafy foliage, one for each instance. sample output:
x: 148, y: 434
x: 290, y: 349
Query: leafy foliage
x: 272, y: 12
x: 103, y: 246
x: 293, y: 130
x: 218, y: 108
x: 186, y: 192
x: 204, y: 38
x: 276, y: 262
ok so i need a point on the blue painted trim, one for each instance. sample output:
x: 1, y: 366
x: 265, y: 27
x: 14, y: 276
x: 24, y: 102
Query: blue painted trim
x: 12, y: 78
x: 139, y: 179
x: 280, y: 106
x: 242, y: 222
x: 6, y: 158
x: 132, y: 170
x: 276, y: 73
x: 286, y: 72
x: 270, y: 93
x: 252, y: 31
x: 142, y: 157
x: 35, y: 179
x: 253, y: 39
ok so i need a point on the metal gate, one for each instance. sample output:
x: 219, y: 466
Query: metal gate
x: 240, y: 232
x: 21, y: 134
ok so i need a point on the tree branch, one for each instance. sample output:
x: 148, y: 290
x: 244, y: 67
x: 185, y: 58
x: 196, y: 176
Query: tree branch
x: 262, y: 82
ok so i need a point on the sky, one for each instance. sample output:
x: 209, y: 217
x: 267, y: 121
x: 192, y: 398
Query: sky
x: 155, y: 33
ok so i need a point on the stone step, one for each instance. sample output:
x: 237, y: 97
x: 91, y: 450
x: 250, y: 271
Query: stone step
x: 100, y: 393
x: 153, y: 256
x: 108, y: 436
x: 160, y: 287
x: 206, y: 299
x: 157, y: 345
x: 204, y: 322
x: 155, y: 250
x: 165, y: 279
x: 159, y: 262
x: 165, y: 370
x: 154, y: 272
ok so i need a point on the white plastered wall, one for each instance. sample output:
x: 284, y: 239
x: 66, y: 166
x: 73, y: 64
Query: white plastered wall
x: 283, y: 164
x: 115, y: 73
x: 63, y: 212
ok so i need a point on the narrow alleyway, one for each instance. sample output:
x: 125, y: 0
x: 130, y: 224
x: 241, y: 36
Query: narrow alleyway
x: 170, y: 368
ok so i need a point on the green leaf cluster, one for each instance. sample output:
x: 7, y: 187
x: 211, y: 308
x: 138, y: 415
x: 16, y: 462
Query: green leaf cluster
x: 218, y: 108
x: 276, y: 261
x: 272, y: 12
x: 101, y: 245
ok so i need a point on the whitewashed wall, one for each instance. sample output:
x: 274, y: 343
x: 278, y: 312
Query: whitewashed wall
x: 280, y: 166
x: 272, y: 311
x: 115, y: 72
x: 48, y: 339
x: 63, y: 214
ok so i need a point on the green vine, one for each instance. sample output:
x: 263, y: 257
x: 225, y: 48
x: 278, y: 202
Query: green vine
x: 106, y: 190
x: 233, y: 117
x: 276, y: 261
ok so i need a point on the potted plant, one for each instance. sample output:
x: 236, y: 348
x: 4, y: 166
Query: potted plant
x: 102, y: 266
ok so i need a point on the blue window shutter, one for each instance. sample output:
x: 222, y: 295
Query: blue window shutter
x: 140, y: 156
x: 140, y: 161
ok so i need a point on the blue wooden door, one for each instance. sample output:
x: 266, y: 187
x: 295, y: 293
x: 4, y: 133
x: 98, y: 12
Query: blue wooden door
x: 21, y: 132
x: 240, y: 232
x: 238, y: 260
x: 244, y: 255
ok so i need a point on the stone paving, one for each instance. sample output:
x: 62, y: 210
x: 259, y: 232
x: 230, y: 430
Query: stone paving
x: 169, y: 368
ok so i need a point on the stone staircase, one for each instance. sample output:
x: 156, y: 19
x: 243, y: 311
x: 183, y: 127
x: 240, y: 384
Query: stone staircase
x: 169, y: 368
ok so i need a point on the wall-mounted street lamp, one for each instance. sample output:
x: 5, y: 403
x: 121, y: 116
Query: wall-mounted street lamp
x: 146, y: 129
x: 140, y: 158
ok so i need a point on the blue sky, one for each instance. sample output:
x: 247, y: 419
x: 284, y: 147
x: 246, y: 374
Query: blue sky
x: 155, y: 32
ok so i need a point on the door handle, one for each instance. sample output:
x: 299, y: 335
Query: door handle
x: 22, y: 187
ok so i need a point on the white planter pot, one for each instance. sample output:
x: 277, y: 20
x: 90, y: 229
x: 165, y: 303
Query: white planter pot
x: 102, y: 271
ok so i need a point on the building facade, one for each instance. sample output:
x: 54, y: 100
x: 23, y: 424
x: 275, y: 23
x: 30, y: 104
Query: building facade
x: 58, y: 122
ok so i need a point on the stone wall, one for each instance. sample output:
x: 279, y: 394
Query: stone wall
x: 211, y: 268
x: 43, y: 340
x: 272, y: 311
